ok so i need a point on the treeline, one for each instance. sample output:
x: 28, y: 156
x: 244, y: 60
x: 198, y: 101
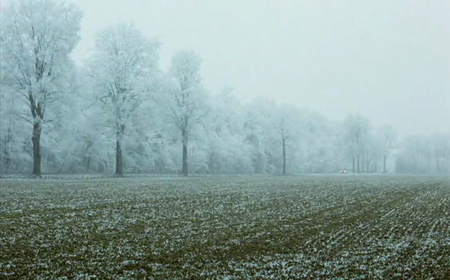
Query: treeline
x: 119, y: 112
x: 424, y: 154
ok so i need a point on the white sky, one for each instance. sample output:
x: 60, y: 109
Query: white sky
x: 387, y: 59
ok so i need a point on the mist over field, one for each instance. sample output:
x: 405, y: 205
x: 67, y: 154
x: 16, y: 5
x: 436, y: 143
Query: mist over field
x: 236, y: 139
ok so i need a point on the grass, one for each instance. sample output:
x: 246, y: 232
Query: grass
x: 311, y: 227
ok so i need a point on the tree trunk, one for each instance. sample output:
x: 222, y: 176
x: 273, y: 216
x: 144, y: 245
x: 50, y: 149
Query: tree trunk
x: 5, y: 161
x: 353, y: 164
x: 119, y: 160
x: 358, y: 165
x: 185, y: 159
x: 284, y: 156
x: 384, y: 164
x: 88, y: 164
x: 36, y: 139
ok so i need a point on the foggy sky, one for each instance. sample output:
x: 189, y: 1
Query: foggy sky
x: 388, y: 60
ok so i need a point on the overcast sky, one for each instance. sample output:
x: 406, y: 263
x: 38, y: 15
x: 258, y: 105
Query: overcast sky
x: 388, y: 60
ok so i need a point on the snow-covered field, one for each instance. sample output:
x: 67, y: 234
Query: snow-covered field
x: 311, y: 227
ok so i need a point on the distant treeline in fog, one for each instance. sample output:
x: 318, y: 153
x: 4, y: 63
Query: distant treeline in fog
x: 120, y: 113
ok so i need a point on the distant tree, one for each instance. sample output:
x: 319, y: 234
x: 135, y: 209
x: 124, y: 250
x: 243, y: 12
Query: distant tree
x: 228, y: 152
x: 14, y: 148
x: 356, y: 132
x: 262, y: 135
x: 286, y: 123
x: 389, y: 136
x: 315, y: 138
x: 373, y: 151
x: 122, y: 71
x: 284, y: 138
x: 187, y: 99
x: 441, y: 150
x: 411, y: 155
x: 36, y: 40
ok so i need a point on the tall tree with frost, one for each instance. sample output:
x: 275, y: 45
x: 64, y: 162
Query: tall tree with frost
x: 229, y: 153
x: 37, y: 37
x: 187, y: 98
x: 122, y: 71
x: 259, y: 128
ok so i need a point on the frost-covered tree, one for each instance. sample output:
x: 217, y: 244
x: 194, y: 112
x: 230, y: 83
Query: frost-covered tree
x: 186, y: 101
x: 15, y: 143
x: 122, y: 70
x: 262, y: 135
x: 37, y: 37
x: 315, y: 143
x: 356, y: 129
x: 229, y: 153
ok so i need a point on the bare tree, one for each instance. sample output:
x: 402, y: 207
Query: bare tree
x: 441, y: 149
x: 284, y: 137
x: 389, y: 135
x: 373, y: 150
x: 37, y: 38
x: 187, y: 98
x: 122, y: 70
x: 285, y: 131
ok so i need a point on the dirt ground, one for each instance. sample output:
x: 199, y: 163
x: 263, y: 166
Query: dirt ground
x: 308, y: 227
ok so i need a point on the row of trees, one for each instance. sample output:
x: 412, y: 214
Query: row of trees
x: 120, y: 112
x: 424, y: 154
